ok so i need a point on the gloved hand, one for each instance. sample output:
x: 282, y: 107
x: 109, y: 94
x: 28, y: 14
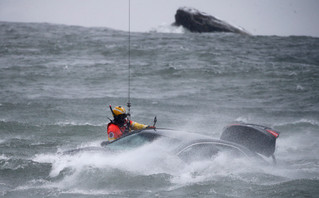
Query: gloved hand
x: 151, y: 127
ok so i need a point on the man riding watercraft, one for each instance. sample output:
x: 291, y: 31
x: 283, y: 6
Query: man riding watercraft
x: 121, y: 125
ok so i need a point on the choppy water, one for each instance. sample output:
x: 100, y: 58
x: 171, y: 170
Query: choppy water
x: 57, y: 82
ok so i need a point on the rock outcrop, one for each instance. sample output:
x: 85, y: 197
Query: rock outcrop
x: 196, y: 21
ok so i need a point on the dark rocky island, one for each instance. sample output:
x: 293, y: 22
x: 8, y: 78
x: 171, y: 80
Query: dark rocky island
x: 196, y: 21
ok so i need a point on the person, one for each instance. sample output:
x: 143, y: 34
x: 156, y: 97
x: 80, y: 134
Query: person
x: 119, y: 125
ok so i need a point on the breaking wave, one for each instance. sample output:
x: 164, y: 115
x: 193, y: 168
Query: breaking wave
x: 167, y: 28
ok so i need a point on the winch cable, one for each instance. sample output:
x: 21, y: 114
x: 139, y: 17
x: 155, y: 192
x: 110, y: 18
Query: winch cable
x: 129, y: 63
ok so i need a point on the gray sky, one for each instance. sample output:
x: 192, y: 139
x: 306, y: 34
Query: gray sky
x: 259, y: 17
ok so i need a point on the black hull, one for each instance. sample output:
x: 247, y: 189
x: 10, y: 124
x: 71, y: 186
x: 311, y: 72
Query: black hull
x: 257, y: 138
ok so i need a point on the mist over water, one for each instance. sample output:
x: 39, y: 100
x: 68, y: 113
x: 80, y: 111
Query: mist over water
x: 57, y: 82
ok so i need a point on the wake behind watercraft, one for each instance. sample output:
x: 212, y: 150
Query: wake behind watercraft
x: 241, y: 139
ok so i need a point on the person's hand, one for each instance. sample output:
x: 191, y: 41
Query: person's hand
x: 151, y: 127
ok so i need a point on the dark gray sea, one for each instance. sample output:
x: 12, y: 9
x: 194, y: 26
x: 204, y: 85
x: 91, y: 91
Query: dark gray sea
x: 57, y: 81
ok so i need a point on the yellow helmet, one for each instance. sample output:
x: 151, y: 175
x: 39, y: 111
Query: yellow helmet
x: 119, y: 110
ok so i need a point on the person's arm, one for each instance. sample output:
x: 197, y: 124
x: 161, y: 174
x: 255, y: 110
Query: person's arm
x: 137, y: 126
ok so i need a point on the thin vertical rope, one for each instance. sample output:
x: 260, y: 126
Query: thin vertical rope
x: 129, y: 60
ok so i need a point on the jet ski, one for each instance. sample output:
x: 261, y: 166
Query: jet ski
x: 241, y: 139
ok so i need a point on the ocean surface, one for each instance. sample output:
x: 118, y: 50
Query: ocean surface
x: 58, y: 81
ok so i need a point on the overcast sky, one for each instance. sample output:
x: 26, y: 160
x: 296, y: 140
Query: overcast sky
x: 259, y: 17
